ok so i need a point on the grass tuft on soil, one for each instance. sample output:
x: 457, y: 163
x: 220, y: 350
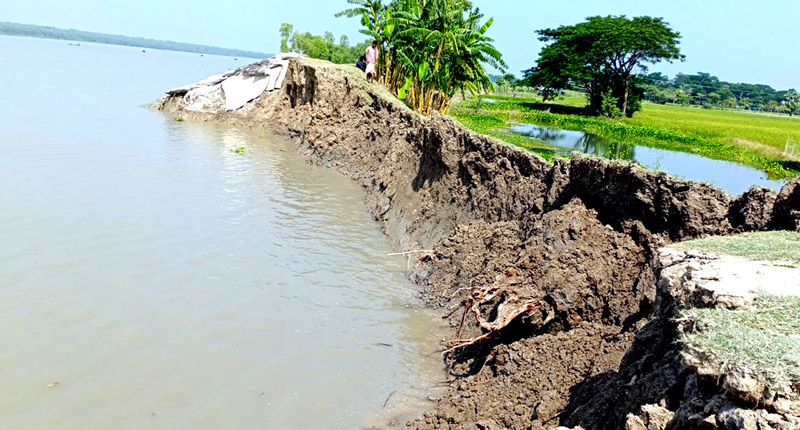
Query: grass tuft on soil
x: 764, y: 339
x: 356, y: 76
x: 767, y: 245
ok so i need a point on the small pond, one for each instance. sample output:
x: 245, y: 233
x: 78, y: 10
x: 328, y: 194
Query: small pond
x: 731, y: 177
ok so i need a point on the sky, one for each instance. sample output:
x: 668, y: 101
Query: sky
x: 736, y: 40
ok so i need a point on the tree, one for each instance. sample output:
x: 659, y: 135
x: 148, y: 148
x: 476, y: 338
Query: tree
x: 772, y: 106
x: 601, y: 56
x: 313, y: 46
x: 371, y: 12
x: 725, y: 92
x: 682, y: 98
x: 729, y: 103
x: 792, y: 101
x: 373, y: 16
x: 657, y: 79
x: 429, y: 49
x: 609, y: 106
x: 323, y: 47
x: 286, y: 31
x: 655, y: 94
x: 510, y: 78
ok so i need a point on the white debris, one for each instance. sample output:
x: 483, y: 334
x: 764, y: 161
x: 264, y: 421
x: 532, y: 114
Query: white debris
x: 233, y: 89
x: 204, y: 99
x: 240, y: 89
x: 284, y: 68
x: 724, y: 279
x: 211, y: 80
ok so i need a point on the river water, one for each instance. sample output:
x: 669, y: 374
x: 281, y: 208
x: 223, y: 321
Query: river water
x: 151, y: 277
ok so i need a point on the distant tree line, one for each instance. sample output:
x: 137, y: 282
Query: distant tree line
x: 323, y: 47
x: 703, y: 89
x: 14, y: 29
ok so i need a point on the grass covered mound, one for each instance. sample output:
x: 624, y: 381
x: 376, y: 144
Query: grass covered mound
x: 764, y: 339
x: 781, y: 246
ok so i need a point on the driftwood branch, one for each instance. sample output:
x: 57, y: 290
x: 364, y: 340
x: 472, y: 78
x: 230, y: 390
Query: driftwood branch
x: 416, y: 251
x: 387, y: 399
x: 409, y: 254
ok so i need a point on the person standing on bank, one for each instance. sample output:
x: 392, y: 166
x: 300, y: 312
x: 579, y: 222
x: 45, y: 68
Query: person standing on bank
x: 372, y: 58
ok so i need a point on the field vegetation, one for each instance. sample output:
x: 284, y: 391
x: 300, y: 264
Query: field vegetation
x: 769, y: 130
x: 758, y: 141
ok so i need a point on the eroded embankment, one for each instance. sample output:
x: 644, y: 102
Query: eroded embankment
x: 568, y: 252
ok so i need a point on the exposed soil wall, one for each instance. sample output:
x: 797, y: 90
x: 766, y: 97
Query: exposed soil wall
x: 575, y: 241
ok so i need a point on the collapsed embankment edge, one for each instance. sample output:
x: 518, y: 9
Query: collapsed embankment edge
x: 579, y: 236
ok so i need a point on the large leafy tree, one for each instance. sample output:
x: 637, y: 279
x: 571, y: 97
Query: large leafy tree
x: 602, y: 55
x: 429, y: 49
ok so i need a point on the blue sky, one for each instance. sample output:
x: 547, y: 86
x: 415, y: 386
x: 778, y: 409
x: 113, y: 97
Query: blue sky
x: 739, y: 41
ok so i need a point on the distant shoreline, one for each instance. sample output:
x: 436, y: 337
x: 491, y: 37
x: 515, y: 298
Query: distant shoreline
x: 42, y: 32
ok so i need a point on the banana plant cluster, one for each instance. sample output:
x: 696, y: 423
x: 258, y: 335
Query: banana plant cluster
x: 429, y: 49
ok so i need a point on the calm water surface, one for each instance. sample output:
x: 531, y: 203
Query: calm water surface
x: 164, y: 281
x: 731, y: 177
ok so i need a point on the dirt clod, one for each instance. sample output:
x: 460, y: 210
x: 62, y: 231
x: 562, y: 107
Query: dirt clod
x: 752, y: 211
x: 786, y: 211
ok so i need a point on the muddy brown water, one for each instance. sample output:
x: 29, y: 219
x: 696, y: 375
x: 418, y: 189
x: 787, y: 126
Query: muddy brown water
x: 152, y: 277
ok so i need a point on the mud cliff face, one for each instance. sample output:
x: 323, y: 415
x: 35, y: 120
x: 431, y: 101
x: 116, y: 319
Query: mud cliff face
x: 574, y: 243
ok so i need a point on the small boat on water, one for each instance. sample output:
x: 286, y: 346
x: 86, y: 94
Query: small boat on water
x: 74, y: 44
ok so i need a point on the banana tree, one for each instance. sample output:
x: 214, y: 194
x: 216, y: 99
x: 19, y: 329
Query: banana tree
x: 431, y: 49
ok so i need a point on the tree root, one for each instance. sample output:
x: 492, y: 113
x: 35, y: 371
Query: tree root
x: 516, y: 296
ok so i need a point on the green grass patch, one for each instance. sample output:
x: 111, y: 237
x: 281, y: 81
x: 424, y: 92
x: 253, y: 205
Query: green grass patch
x: 711, y: 124
x: 767, y: 245
x: 764, y: 339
